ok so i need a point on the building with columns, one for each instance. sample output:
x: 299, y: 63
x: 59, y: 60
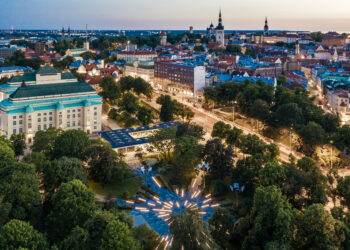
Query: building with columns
x: 220, y: 32
x: 50, y: 101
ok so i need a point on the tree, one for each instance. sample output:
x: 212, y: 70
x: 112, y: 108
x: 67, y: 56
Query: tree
x: 182, y: 111
x: 233, y: 49
x: 117, y: 235
x: 199, y: 48
x: 17, y: 234
x: 128, y: 103
x: 260, y: 110
x: 63, y: 170
x: 19, y: 144
x: 187, y: 155
x: 96, y: 225
x: 220, y: 130
x: 190, y: 232
x: 316, y: 36
x: 110, y: 88
x: 6, y: 153
x: 167, y: 110
x: 44, y: 140
x: 281, y: 80
x: 313, y: 133
x: 221, y: 227
x: 147, y: 238
x: 105, y: 165
x: 72, y: 205
x: 233, y: 135
x: 144, y: 115
x: 19, y: 189
x: 273, y: 174
x: 220, y: 159
x: 126, y: 83
x: 289, y: 115
x: 272, y: 219
x: 71, y: 143
x: 77, y: 239
x: 344, y: 190
x: 38, y: 159
x: 88, y: 55
x: 162, y: 141
x: 190, y: 129
x: 317, y: 229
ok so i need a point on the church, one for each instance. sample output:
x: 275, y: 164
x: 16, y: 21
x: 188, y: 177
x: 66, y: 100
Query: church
x: 218, y: 32
x: 48, y: 98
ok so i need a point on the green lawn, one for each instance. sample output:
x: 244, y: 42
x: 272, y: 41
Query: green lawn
x: 117, y: 189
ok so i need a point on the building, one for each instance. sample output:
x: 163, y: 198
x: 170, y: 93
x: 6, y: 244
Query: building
x: 12, y: 71
x: 220, y: 32
x: 76, y: 53
x: 49, y: 99
x: 211, y: 30
x: 163, y: 38
x: 179, y: 78
x: 135, y: 56
x: 7, y: 52
x: 130, y: 139
x: 266, y: 27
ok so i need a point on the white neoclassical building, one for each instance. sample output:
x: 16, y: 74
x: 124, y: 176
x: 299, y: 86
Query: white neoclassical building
x: 47, y: 99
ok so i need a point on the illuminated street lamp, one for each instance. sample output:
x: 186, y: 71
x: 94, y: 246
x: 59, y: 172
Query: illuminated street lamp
x: 237, y: 188
x: 205, y: 168
x: 146, y: 170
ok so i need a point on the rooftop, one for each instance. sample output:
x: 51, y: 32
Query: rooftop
x: 122, y: 138
x: 51, y: 89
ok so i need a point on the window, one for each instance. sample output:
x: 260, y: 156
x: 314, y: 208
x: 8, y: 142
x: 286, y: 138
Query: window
x: 14, y: 117
x: 50, y: 113
x: 95, y: 114
x: 95, y: 127
x: 68, y: 124
x: 20, y: 122
x: 45, y: 126
x: 45, y: 114
x: 39, y: 119
x: 50, y: 118
x: 95, y: 108
x: 73, y: 124
x: 20, y: 130
x: 45, y: 119
x: 14, y: 123
x: 39, y: 114
x: 50, y: 125
x: 39, y: 127
x: 79, y: 110
x: 68, y: 116
x: 73, y: 111
x: 78, y: 115
x: 29, y: 125
x: 14, y: 131
x: 68, y: 111
x: 73, y: 115
x: 21, y: 116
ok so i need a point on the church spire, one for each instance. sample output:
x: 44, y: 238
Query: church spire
x: 220, y: 26
x: 266, y: 27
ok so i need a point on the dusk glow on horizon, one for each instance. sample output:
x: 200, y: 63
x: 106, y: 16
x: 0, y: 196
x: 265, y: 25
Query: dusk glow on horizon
x: 164, y: 14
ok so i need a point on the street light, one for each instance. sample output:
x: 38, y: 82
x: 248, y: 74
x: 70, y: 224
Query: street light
x: 146, y: 170
x: 205, y: 168
x: 237, y: 189
x: 331, y: 142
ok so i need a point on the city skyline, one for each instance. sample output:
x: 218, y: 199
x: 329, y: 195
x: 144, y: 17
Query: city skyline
x: 141, y: 15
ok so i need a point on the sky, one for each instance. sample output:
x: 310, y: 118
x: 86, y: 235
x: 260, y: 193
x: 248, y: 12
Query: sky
x: 313, y: 15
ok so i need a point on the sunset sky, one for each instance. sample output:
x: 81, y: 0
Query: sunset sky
x: 311, y: 15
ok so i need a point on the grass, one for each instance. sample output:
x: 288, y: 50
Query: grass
x: 118, y: 189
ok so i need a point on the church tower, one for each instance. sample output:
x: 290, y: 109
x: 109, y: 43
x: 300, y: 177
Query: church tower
x: 266, y: 27
x: 69, y: 31
x: 220, y: 32
x: 62, y: 32
x: 163, y: 38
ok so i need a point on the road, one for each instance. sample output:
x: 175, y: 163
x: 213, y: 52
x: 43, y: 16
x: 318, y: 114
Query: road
x: 207, y: 119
